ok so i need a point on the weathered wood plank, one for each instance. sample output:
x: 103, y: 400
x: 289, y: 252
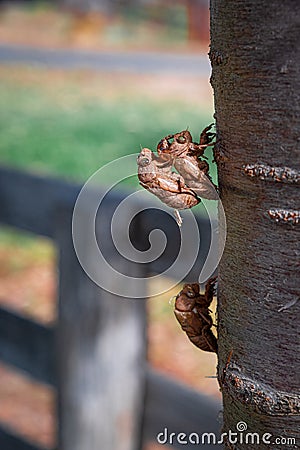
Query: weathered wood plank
x: 29, y: 201
x: 27, y: 345
x: 180, y: 409
x: 9, y: 441
x: 102, y: 350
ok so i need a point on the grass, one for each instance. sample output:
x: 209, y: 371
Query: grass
x: 71, y: 123
x: 57, y: 127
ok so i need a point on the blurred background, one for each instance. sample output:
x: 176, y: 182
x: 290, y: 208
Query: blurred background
x: 83, y: 83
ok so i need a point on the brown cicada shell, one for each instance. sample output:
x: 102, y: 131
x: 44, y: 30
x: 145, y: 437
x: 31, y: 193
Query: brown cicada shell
x: 181, y: 189
x: 155, y: 174
x: 193, y: 314
x: 187, y: 158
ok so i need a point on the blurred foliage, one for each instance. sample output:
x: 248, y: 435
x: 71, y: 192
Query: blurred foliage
x: 156, y: 25
x: 160, y: 16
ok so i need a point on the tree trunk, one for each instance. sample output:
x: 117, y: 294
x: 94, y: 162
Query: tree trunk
x: 255, y: 55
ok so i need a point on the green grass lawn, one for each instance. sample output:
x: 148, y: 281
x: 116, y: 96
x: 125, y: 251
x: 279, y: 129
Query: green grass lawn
x: 56, y: 130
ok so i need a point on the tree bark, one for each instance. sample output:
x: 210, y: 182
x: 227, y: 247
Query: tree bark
x: 255, y: 56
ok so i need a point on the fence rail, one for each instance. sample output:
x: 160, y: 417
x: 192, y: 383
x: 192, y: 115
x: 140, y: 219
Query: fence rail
x: 95, y: 355
x: 10, y: 441
x: 27, y: 345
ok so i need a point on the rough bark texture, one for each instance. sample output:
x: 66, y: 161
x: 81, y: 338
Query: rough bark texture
x: 255, y: 55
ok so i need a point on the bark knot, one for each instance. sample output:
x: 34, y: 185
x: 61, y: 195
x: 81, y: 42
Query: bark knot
x: 269, y: 173
x: 216, y: 57
x: 285, y: 216
x: 261, y: 397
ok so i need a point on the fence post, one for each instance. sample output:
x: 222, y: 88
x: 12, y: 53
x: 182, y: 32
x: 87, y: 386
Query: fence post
x: 101, y: 349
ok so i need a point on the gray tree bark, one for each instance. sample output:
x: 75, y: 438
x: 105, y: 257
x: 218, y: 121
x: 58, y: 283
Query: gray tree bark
x: 255, y: 56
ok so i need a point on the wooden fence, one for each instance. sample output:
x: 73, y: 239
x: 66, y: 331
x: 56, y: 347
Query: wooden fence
x: 108, y: 397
